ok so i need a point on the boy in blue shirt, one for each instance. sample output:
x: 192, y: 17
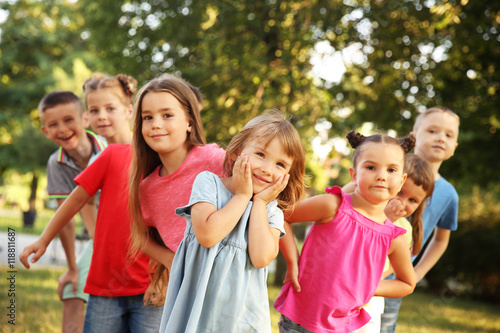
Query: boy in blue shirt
x: 436, y: 133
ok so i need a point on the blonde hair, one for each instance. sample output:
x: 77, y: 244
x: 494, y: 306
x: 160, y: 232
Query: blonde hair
x: 145, y: 160
x: 265, y: 128
x: 124, y: 86
x: 420, y: 171
x: 434, y: 109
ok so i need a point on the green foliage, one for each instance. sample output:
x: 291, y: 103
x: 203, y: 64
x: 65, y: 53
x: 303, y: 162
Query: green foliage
x: 471, y: 264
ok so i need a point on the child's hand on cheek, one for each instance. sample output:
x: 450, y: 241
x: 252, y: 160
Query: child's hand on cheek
x: 271, y: 192
x: 242, y: 177
x: 394, y: 210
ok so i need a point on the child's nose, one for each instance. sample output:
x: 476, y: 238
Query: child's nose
x: 156, y: 122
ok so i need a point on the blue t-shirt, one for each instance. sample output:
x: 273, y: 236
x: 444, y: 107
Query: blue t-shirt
x: 441, y: 210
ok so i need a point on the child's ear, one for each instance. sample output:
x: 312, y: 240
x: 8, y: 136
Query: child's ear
x: 85, y: 119
x: 352, y: 172
x: 130, y: 111
x: 44, y: 130
x: 403, y: 180
x: 190, y: 127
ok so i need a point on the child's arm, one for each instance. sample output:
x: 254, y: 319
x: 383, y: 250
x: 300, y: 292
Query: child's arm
x: 289, y: 249
x: 404, y: 283
x: 71, y: 205
x: 433, y: 252
x: 318, y: 209
x: 263, y: 240
x: 210, y: 225
x: 159, y: 253
x: 89, y: 216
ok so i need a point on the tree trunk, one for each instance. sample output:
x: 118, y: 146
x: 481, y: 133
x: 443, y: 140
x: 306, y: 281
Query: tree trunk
x: 34, y: 187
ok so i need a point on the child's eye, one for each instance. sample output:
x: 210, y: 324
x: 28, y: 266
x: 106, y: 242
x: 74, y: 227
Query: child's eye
x: 432, y: 131
x: 111, y: 108
x: 168, y: 115
x: 259, y: 154
x: 147, y: 118
x: 370, y: 167
x: 281, y: 165
x: 93, y: 110
x: 413, y: 200
x: 391, y: 170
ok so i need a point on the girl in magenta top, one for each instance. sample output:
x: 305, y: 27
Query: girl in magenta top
x: 169, y: 150
x: 344, y: 253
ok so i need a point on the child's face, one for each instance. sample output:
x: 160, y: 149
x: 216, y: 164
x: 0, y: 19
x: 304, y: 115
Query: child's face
x: 379, y: 172
x: 65, y: 125
x: 107, y: 114
x: 268, y: 163
x: 410, y: 196
x: 165, y: 125
x: 436, y: 137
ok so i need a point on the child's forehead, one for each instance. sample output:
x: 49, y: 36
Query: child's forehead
x: 382, y: 151
x: 440, y: 118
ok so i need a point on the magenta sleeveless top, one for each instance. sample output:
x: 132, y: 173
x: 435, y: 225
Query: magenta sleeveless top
x: 340, y: 267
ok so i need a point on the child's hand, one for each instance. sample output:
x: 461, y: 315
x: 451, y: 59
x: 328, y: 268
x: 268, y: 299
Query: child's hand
x: 292, y: 274
x: 271, y: 192
x: 394, y: 210
x: 242, y: 177
x: 38, y: 248
x: 71, y: 276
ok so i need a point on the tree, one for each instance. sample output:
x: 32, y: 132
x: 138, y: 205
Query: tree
x: 40, y: 41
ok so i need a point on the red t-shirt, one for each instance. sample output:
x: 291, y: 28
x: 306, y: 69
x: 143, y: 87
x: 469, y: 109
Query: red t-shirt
x: 111, y: 274
x: 160, y: 196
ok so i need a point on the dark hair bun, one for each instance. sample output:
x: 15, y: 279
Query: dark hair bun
x: 407, y: 143
x: 355, y: 139
x: 128, y: 83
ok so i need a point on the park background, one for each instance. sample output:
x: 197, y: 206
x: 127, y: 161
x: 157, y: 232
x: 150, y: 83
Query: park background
x: 332, y: 66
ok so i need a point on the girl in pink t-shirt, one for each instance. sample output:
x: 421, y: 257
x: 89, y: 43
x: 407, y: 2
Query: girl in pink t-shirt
x: 169, y: 150
x: 344, y: 253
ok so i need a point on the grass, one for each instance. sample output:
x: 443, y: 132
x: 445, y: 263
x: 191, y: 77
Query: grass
x: 38, y: 308
x: 13, y: 218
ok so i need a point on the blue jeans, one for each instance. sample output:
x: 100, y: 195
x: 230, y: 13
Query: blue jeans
x: 286, y: 325
x: 390, y: 316
x: 121, y: 314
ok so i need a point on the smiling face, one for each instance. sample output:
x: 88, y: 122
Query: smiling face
x: 109, y: 117
x: 378, y: 175
x: 65, y: 125
x: 165, y: 125
x: 268, y: 163
x: 436, y: 137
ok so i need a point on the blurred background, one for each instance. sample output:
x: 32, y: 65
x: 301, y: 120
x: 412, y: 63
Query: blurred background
x: 332, y: 66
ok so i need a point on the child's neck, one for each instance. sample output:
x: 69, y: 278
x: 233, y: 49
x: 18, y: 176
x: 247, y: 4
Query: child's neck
x: 124, y: 138
x: 435, y: 168
x: 374, y: 212
x: 173, y: 161
x: 82, y: 153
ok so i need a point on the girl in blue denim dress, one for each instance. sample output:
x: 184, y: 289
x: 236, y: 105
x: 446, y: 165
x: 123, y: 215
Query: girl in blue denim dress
x: 218, y: 277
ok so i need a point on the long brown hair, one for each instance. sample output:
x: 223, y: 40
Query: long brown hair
x: 145, y: 160
x: 266, y: 127
x: 420, y: 171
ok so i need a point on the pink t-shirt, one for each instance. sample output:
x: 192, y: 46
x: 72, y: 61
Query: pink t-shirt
x: 340, y: 267
x: 160, y: 196
x: 111, y: 274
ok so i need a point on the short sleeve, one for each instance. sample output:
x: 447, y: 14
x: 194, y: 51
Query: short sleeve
x: 204, y: 190
x: 92, y: 177
x: 59, y: 179
x: 275, y: 217
x: 449, y: 217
